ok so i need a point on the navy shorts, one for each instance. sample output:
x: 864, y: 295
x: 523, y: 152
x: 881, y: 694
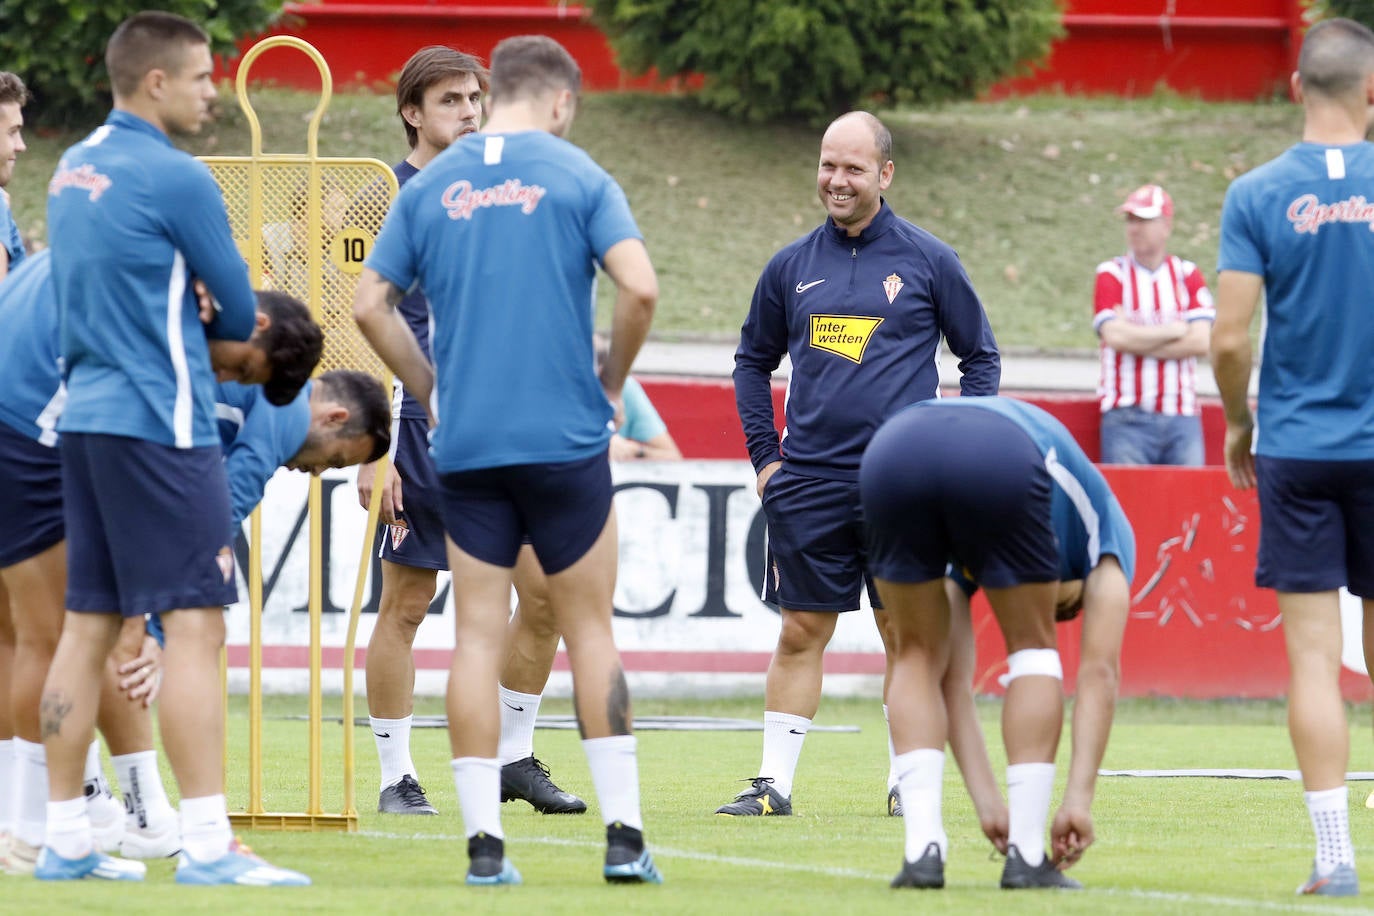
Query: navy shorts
x: 421, y: 541
x: 816, y: 558
x: 961, y: 486
x: 30, y: 497
x: 1316, y: 525
x: 561, y: 509
x: 148, y: 526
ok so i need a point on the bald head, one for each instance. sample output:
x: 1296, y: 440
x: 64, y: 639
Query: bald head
x: 1337, y: 58
x: 862, y: 120
x: 855, y: 168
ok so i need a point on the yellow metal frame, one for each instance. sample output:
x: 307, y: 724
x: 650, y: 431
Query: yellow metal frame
x: 314, y: 818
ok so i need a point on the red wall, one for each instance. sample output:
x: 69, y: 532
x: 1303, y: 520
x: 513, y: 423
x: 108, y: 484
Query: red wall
x: 1219, y: 49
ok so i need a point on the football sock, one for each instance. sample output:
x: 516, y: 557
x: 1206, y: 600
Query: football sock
x: 140, y: 782
x: 783, y: 735
x: 94, y: 772
x: 920, y: 781
x: 8, y: 802
x: 393, y: 748
x: 478, y: 781
x: 1330, y: 813
x: 891, y: 753
x: 68, y: 831
x: 205, y: 831
x: 31, y: 791
x: 518, y: 714
x: 615, y: 774
x: 1028, y: 801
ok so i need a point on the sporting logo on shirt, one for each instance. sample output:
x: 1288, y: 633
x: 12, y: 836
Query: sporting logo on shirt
x: 892, y: 285
x: 460, y: 200
x: 1308, y: 214
x: 843, y: 335
x: 398, y: 534
x: 84, y: 177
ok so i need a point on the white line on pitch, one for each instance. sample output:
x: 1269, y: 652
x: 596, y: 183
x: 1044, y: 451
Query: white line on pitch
x: 668, y: 852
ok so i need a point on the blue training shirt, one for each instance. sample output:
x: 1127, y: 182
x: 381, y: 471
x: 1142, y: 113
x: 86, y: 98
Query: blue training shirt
x: 133, y: 220
x: 1088, y: 521
x: 1305, y: 222
x: 861, y: 319
x: 503, y: 233
x: 415, y: 310
x: 11, y: 241
x: 257, y: 438
x: 30, y: 358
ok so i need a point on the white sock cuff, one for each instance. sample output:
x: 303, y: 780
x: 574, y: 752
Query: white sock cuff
x: 463, y: 763
x: 786, y: 719
x: 1044, y: 662
x: 922, y: 757
x: 93, y: 769
x: 507, y: 694
x: 404, y: 721
x: 1337, y: 799
x: 134, y: 758
x: 610, y: 743
x: 67, y: 809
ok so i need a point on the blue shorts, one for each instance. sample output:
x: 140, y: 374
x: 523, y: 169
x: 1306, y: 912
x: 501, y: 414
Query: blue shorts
x: 967, y: 487
x: 561, y: 508
x: 30, y: 497
x: 148, y: 526
x: 421, y: 542
x: 1316, y: 525
x: 816, y: 559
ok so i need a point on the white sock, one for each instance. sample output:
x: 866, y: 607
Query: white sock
x: 891, y: 753
x: 31, y: 789
x: 920, y: 780
x: 1330, y: 813
x: 8, y: 799
x: 615, y: 774
x: 393, y: 748
x: 205, y: 830
x: 518, y: 713
x: 1029, y: 786
x: 94, y: 772
x: 140, y: 782
x: 68, y: 830
x: 783, y: 735
x: 478, y: 781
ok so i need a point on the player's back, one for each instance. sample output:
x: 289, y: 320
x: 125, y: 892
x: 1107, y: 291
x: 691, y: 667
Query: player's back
x: 1305, y: 221
x: 504, y: 232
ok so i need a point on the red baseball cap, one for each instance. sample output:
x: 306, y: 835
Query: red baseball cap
x: 1148, y: 202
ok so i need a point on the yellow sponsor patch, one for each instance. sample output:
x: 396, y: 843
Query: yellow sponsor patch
x: 843, y: 335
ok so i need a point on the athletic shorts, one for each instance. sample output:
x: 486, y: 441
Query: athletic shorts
x: 561, y: 509
x: 1316, y: 525
x: 421, y: 541
x: 148, y: 526
x: 967, y: 487
x: 816, y: 559
x: 30, y: 497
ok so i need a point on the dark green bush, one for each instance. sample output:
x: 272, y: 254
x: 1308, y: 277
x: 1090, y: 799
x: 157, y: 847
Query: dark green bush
x: 1359, y: 10
x: 58, y: 46
x: 812, y: 59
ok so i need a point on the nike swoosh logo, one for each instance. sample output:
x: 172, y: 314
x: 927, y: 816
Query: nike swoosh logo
x: 803, y: 287
x: 793, y: 731
x: 382, y: 734
x: 516, y: 708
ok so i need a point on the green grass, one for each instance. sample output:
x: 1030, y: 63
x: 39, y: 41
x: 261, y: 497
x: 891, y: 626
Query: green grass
x: 1024, y: 190
x: 1164, y: 845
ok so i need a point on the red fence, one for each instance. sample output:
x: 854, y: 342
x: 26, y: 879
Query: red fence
x: 1219, y: 49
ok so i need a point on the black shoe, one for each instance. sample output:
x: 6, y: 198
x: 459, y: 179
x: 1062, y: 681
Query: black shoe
x: 1017, y: 875
x: 487, y: 862
x: 405, y: 797
x: 528, y: 779
x: 926, y: 872
x: 758, y: 800
x: 894, y: 802
x: 627, y: 861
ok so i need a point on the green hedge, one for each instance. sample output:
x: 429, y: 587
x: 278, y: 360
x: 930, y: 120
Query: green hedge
x: 813, y: 59
x: 1359, y: 10
x: 58, y: 46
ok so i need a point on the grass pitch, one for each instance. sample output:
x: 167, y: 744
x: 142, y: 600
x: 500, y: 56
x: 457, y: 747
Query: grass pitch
x: 1164, y: 845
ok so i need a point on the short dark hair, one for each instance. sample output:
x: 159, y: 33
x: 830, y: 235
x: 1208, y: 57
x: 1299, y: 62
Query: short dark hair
x: 1337, y: 55
x: 426, y: 67
x: 12, y: 89
x: 369, y: 409
x: 150, y: 40
x: 531, y: 65
x: 293, y: 342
